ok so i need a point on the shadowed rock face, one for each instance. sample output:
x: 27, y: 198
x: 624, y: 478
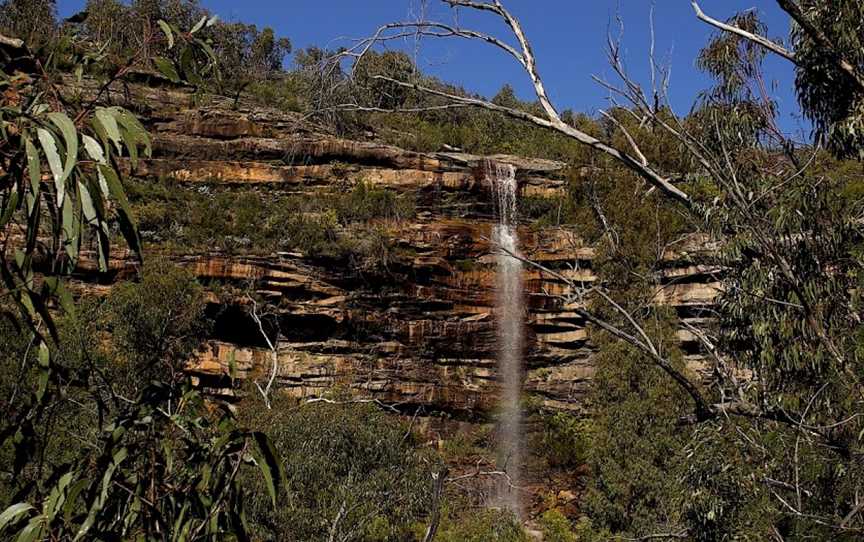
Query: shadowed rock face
x: 422, y: 332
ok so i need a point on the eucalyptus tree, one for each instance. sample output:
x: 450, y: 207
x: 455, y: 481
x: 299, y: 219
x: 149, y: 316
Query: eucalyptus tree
x: 159, y: 466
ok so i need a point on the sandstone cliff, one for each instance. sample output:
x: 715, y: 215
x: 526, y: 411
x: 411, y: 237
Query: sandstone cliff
x: 420, y: 334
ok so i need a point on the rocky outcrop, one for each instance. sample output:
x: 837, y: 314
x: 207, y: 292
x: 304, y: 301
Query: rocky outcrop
x: 428, y: 339
x: 422, y: 332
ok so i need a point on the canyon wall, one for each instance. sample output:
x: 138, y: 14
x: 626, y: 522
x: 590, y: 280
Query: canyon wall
x: 422, y: 332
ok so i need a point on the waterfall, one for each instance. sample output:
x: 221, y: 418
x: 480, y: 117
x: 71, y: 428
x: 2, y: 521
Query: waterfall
x: 509, y: 310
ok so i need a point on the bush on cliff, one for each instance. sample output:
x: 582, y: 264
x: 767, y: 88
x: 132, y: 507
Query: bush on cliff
x: 352, y: 470
x: 481, y: 526
x: 333, y: 225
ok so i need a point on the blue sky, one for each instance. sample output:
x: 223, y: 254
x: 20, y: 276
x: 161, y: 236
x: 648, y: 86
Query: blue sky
x: 568, y: 36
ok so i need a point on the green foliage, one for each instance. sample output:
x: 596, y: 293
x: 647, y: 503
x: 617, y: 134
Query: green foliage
x: 556, y: 527
x: 787, y: 322
x: 547, y: 211
x: 331, y: 225
x: 28, y: 458
x: 476, y: 131
x: 586, y: 531
x: 86, y: 461
x: 828, y: 96
x: 351, y: 470
x: 79, y: 147
x: 367, y: 202
x: 105, y: 437
x: 468, y: 446
x: 732, y: 60
x: 156, y: 324
x: 481, y: 526
x: 186, y: 34
x: 564, y: 440
x: 636, y: 450
x: 285, y: 92
x: 378, y: 92
x: 154, y: 460
x: 247, y: 54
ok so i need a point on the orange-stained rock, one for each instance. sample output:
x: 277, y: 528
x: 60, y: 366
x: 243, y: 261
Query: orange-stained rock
x: 421, y: 333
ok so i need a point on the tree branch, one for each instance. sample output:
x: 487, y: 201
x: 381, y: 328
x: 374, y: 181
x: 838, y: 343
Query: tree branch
x: 738, y: 31
x: 526, y: 59
x: 274, y: 356
x: 438, y: 479
x: 646, y: 172
x: 14, y: 43
x: 794, y: 10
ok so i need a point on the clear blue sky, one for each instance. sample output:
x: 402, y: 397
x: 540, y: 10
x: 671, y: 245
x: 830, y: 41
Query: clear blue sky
x: 568, y: 36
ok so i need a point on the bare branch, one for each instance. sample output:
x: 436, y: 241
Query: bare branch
x: 376, y: 402
x: 438, y: 479
x: 14, y: 43
x: 274, y: 356
x: 635, y: 164
x: 738, y: 31
x: 852, y: 513
x: 529, y: 61
x: 371, y: 109
x: 526, y: 59
x: 627, y: 135
x: 659, y: 536
x: 428, y: 29
x: 334, y: 526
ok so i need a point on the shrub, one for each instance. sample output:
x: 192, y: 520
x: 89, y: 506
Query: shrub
x: 556, y: 527
x: 156, y: 324
x: 351, y: 458
x: 547, y: 211
x: 482, y: 526
x: 635, y: 452
x: 320, y: 225
x: 367, y: 202
x: 284, y: 92
x: 565, y: 440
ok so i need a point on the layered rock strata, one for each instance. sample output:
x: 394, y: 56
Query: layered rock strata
x: 419, y: 334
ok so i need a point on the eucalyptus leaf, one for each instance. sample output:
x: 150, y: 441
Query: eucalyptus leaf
x: 199, y: 25
x: 269, y: 463
x: 49, y: 146
x: 87, y: 206
x: 71, y: 498
x: 168, y: 32
x: 105, y: 123
x: 33, y: 530
x: 70, y: 138
x: 13, y: 514
x: 33, y: 166
x: 9, y: 209
x: 166, y: 68
x: 127, y: 224
x: 135, y: 130
x: 93, y: 149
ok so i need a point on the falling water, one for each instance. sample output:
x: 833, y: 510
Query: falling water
x: 509, y: 311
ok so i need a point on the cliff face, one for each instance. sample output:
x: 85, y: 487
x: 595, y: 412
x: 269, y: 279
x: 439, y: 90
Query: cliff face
x: 421, y: 333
